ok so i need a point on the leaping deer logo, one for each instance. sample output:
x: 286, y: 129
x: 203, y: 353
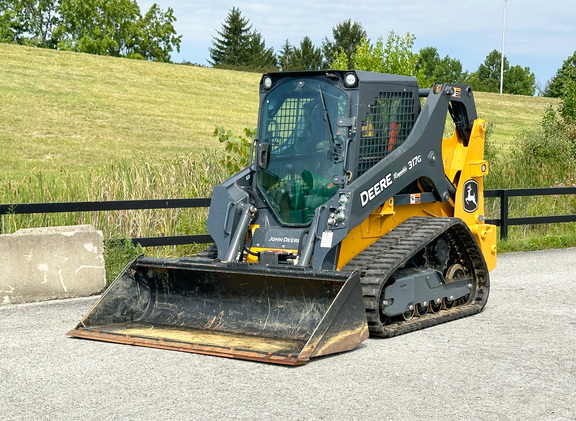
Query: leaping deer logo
x: 470, y: 196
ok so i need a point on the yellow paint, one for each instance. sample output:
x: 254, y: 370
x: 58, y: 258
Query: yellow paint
x: 485, y: 236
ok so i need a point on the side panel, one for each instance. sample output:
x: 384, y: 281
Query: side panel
x: 225, y: 209
x: 468, y: 169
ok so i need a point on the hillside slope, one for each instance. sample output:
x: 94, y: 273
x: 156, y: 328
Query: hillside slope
x: 81, y: 111
x: 510, y: 115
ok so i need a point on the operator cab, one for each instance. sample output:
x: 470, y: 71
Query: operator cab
x: 301, y: 153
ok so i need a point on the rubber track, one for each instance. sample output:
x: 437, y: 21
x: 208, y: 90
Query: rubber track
x: 390, y: 253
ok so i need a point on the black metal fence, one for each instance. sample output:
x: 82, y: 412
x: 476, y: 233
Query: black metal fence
x: 173, y: 240
x: 505, y: 194
x: 504, y: 221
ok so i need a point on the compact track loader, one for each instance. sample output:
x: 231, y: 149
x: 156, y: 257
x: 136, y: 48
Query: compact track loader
x: 355, y: 217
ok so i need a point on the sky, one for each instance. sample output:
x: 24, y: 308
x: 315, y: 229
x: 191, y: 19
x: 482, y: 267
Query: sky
x: 538, y: 34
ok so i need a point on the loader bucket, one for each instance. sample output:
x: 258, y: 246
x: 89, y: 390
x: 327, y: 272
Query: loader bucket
x: 253, y: 312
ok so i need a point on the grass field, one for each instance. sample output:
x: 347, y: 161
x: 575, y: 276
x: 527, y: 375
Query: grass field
x: 79, y: 111
x: 510, y: 115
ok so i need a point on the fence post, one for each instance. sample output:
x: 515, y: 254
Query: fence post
x: 504, y: 214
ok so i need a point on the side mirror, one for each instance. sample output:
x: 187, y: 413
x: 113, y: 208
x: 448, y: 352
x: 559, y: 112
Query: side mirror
x: 262, y: 155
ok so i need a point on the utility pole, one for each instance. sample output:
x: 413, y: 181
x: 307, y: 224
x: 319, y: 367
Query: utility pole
x: 502, y: 60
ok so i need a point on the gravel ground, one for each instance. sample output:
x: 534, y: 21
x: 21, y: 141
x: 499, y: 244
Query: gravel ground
x: 514, y: 361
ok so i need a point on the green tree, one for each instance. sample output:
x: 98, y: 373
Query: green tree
x: 428, y: 60
x: 258, y: 56
x: 230, y: 48
x: 396, y: 57
x: 9, y: 28
x: 237, y: 46
x: 113, y: 27
x: 305, y: 57
x: 103, y: 27
x: 155, y: 36
x: 556, y: 86
x: 347, y: 36
x: 29, y: 22
x: 308, y: 56
x: 488, y: 73
x: 286, y: 56
x: 449, y: 70
x: 116, y: 28
x: 517, y: 80
x: 340, y: 61
x: 368, y: 57
x: 437, y: 70
x: 568, y: 95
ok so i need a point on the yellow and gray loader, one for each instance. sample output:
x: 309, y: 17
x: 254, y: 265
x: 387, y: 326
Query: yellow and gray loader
x: 356, y: 216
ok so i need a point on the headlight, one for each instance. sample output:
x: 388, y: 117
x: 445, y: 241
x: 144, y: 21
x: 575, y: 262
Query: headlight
x: 350, y: 80
x: 267, y: 82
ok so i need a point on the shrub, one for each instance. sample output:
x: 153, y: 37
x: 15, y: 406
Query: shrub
x: 544, y: 157
x: 237, y: 148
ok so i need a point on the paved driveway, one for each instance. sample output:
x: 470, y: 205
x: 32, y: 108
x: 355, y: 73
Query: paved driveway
x: 516, y: 361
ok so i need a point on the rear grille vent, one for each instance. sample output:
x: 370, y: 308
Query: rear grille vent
x: 386, y: 126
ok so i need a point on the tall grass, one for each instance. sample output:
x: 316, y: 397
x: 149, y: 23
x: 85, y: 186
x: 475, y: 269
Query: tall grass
x: 544, y: 157
x: 138, y: 178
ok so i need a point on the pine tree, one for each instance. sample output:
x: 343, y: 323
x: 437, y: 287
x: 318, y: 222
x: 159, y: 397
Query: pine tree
x: 347, y: 37
x: 286, y: 57
x: 237, y: 46
x: 230, y: 48
x: 258, y: 57
x: 305, y: 57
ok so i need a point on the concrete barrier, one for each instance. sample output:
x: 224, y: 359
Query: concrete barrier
x: 38, y: 264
